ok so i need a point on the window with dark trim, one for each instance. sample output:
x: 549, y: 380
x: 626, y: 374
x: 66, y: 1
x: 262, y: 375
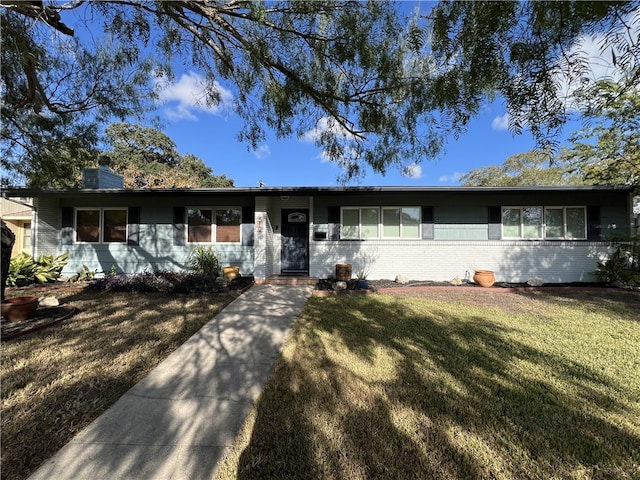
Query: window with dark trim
x: 380, y: 222
x: 101, y: 225
x: 552, y: 223
x: 209, y: 225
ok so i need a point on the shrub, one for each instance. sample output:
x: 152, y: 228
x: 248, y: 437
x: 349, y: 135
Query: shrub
x: 159, y: 281
x: 618, y: 269
x: 83, y: 275
x: 25, y: 270
x: 205, y: 261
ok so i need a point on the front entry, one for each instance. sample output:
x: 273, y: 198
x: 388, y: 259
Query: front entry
x: 295, y: 241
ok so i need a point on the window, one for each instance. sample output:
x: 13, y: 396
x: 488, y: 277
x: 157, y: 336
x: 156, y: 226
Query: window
x: 366, y: 222
x: 199, y: 226
x: 205, y: 224
x: 360, y: 222
x: 26, y: 239
x: 401, y: 222
x: 228, y: 225
x: 532, y: 223
x: 522, y: 222
x: 101, y: 225
x: 565, y: 223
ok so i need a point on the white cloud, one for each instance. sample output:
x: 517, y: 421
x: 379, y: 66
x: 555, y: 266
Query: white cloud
x: 413, y: 171
x: 187, y: 97
x: 263, y: 151
x: 597, y: 56
x: 329, y: 125
x: 453, y: 178
x: 325, y: 124
x: 501, y: 122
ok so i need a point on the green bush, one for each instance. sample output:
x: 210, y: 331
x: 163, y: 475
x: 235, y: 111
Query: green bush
x: 25, y: 270
x: 204, y: 260
x: 619, y: 269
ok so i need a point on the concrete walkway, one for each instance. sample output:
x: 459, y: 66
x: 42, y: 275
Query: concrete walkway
x: 177, y: 422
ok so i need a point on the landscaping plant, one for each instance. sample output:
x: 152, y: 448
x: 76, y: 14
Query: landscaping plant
x: 204, y: 260
x: 25, y: 270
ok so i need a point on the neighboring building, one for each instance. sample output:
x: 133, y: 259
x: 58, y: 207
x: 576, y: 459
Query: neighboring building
x: 17, y: 214
x: 557, y: 234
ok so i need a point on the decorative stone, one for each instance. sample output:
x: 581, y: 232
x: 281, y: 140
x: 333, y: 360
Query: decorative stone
x: 49, y: 302
x: 535, y: 282
x: 340, y: 285
x: 456, y: 281
x: 402, y: 279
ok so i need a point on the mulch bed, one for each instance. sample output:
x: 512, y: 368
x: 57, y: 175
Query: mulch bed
x: 43, y: 318
x: 325, y: 286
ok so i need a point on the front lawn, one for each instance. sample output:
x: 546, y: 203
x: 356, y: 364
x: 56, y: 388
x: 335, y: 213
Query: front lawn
x: 464, y: 384
x: 56, y: 381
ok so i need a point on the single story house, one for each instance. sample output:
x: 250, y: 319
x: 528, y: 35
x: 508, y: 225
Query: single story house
x: 557, y: 234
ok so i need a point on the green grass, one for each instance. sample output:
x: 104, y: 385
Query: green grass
x: 56, y: 381
x: 459, y: 386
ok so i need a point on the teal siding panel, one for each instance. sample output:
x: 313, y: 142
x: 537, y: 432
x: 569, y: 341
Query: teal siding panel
x: 460, y: 232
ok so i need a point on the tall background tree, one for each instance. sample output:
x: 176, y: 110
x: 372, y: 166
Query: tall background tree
x: 147, y: 158
x: 387, y: 89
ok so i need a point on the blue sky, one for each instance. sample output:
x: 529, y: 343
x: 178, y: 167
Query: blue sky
x: 211, y: 134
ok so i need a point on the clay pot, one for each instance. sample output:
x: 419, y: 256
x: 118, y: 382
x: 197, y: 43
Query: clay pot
x: 484, y: 278
x: 19, y: 308
x: 230, y: 272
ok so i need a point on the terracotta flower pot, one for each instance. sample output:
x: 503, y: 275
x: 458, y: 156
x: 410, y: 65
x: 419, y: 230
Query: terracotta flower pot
x: 19, y: 308
x: 484, y: 278
x: 230, y: 272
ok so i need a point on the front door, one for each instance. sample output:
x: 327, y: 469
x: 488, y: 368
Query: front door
x: 295, y: 241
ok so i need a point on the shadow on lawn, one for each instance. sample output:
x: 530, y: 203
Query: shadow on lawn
x: 472, y: 414
x: 84, y: 366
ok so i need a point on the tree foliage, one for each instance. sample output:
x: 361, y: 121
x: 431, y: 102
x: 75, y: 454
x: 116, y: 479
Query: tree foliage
x: 528, y: 53
x: 607, y: 150
x: 533, y: 168
x: 147, y: 158
x: 380, y: 90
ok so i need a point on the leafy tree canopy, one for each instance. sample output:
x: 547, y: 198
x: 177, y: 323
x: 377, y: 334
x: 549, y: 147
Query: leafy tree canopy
x: 533, y: 168
x: 149, y: 159
x: 386, y: 89
x: 607, y: 150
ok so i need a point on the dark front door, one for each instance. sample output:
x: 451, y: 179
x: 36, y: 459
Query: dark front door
x: 295, y: 241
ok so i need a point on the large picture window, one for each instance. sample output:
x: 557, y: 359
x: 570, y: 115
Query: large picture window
x: 385, y: 222
x: 206, y: 224
x: 101, y: 225
x: 554, y: 223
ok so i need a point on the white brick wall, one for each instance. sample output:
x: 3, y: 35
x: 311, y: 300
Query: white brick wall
x: 512, y: 261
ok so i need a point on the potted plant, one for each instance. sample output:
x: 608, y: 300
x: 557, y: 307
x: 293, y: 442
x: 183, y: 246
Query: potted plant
x: 484, y: 278
x: 18, y: 309
x: 361, y: 278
